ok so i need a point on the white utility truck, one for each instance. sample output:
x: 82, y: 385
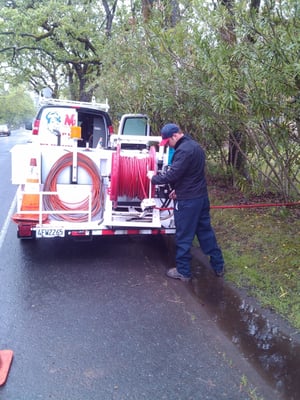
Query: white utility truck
x: 79, y: 179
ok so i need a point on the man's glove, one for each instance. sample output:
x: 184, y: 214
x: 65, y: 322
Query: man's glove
x: 150, y: 174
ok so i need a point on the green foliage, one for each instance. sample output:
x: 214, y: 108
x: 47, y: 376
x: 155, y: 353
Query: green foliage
x: 261, y: 252
x: 17, y: 107
x: 53, y: 43
x: 215, y: 74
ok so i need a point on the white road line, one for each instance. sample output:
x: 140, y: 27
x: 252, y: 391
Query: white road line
x: 4, y: 229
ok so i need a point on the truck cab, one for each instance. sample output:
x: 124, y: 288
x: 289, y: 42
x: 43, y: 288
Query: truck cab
x: 134, y: 133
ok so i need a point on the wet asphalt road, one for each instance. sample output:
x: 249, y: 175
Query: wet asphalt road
x: 99, y: 320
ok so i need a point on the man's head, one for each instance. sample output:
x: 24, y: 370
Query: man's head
x: 170, y: 133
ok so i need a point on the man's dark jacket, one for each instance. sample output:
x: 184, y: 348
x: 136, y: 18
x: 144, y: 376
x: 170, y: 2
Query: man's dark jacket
x: 187, y: 172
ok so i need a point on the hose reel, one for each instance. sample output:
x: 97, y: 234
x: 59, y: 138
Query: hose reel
x: 129, y: 175
x: 54, y: 202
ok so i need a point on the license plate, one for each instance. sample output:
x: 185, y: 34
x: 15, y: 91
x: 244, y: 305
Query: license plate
x: 50, y: 232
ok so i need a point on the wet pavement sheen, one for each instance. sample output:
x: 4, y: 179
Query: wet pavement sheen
x: 261, y: 336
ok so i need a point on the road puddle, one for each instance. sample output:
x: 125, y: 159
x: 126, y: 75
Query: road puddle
x: 276, y: 355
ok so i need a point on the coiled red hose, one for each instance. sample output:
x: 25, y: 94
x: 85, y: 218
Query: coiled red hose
x: 129, y: 175
x: 54, y: 203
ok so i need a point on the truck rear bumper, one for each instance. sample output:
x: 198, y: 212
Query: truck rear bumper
x: 30, y: 231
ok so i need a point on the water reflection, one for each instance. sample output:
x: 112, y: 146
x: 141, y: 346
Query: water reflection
x: 275, y: 355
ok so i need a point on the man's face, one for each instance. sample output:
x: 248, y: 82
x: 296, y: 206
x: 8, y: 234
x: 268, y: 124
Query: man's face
x: 172, y: 141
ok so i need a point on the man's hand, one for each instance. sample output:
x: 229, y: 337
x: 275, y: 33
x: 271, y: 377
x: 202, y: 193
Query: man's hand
x: 172, y: 195
x: 150, y: 174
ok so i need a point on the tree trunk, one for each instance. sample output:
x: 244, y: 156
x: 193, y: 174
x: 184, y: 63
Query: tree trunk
x: 146, y: 9
x: 236, y: 137
x: 235, y: 157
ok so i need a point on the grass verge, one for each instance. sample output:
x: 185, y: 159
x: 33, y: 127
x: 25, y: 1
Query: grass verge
x: 261, y: 248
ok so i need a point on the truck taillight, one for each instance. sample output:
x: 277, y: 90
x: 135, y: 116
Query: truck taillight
x: 36, y: 125
x: 111, y: 129
x: 25, y: 231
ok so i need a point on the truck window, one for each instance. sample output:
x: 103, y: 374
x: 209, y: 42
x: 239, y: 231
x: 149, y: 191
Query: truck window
x: 135, y: 126
x: 93, y: 130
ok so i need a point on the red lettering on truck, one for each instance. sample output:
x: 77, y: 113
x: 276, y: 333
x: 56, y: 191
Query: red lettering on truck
x: 70, y: 120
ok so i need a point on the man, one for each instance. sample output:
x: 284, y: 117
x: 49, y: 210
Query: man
x: 186, y: 177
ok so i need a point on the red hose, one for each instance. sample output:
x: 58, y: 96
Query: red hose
x: 129, y: 175
x: 114, y: 184
x: 54, y: 203
x: 259, y: 205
